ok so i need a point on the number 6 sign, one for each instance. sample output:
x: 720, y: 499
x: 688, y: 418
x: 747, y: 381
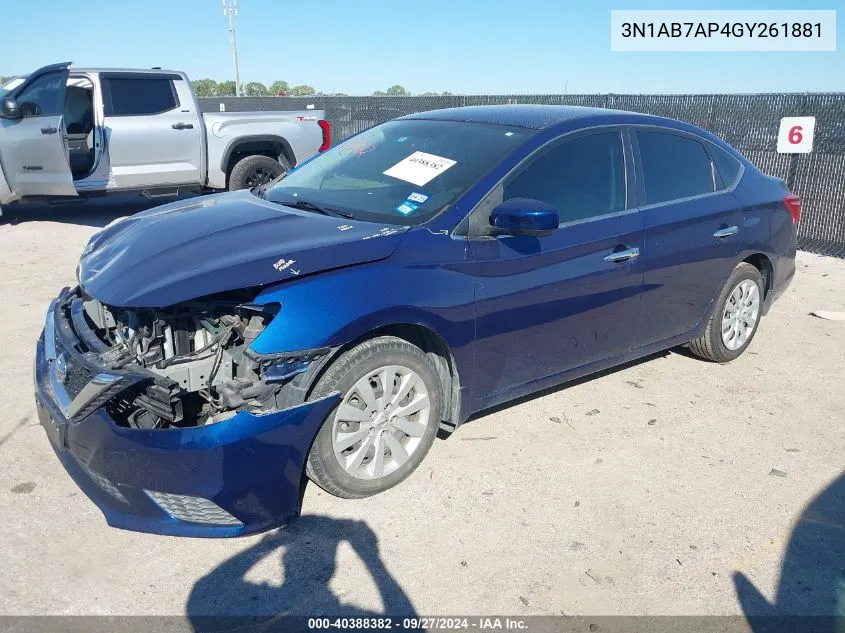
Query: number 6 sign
x: 796, y: 134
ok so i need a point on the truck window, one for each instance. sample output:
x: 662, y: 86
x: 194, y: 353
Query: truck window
x: 43, y: 97
x: 138, y: 96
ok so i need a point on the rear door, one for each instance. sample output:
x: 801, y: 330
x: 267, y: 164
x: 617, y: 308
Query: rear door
x: 693, y: 230
x: 548, y: 304
x: 153, y: 132
x: 33, y: 149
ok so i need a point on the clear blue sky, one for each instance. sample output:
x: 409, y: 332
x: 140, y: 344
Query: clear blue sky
x: 358, y: 46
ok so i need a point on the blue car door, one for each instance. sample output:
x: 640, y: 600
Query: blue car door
x: 548, y: 304
x: 693, y: 231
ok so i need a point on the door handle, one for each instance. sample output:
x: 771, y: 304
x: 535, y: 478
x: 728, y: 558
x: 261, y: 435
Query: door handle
x: 183, y: 126
x: 621, y: 256
x: 49, y: 130
x: 726, y: 232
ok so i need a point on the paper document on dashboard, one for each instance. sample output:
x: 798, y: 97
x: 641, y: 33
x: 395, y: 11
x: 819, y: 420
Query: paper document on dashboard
x: 419, y: 168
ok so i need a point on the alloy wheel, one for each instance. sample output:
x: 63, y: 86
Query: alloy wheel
x: 260, y: 176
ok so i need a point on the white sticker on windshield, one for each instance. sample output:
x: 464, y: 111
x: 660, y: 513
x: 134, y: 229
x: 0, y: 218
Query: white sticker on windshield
x: 419, y: 168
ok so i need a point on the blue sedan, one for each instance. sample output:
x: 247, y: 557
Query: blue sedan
x: 217, y: 352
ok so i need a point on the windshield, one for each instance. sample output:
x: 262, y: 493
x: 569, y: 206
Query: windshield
x: 400, y: 172
x: 10, y: 85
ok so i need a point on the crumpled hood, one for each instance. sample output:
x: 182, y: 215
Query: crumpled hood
x: 193, y: 248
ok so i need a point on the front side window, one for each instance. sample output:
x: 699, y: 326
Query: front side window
x: 581, y: 178
x: 674, y: 167
x: 138, y: 96
x: 44, y: 96
x: 400, y: 172
x: 10, y: 85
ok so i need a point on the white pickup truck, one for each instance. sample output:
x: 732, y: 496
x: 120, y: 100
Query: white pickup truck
x: 68, y: 133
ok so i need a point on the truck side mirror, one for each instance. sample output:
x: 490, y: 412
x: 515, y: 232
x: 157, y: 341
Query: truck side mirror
x: 9, y: 108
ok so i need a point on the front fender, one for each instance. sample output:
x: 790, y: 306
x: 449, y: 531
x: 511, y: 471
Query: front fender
x: 338, y: 307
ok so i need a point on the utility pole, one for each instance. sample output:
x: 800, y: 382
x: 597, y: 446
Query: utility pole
x: 230, y: 10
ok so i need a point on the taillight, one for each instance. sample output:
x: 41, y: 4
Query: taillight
x: 793, y: 205
x: 327, y: 134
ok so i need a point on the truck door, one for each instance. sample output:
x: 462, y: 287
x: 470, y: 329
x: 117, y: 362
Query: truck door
x: 33, y: 146
x: 154, y: 134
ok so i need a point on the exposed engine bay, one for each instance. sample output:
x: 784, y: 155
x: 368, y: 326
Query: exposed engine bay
x: 197, y: 357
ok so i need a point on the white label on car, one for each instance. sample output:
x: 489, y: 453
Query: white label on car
x: 419, y: 168
x: 419, y: 198
x: 796, y: 134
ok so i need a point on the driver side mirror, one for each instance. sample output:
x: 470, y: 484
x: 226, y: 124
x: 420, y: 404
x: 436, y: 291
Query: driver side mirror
x: 9, y: 108
x: 524, y: 216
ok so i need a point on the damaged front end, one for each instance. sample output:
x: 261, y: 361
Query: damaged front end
x: 196, y: 356
x: 169, y: 421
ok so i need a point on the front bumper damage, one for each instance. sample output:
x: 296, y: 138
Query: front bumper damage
x: 229, y: 478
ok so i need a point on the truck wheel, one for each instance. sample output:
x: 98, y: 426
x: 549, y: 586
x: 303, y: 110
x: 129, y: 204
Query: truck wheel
x: 386, y: 421
x: 252, y: 171
x: 735, y: 317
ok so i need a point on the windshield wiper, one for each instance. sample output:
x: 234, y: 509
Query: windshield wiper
x: 261, y: 190
x: 310, y: 206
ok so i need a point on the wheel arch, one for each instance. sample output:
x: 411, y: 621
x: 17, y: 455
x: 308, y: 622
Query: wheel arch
x: 432, y: 344
x: 259, y: 144
x: 762, y: 263
x: 757, y: 259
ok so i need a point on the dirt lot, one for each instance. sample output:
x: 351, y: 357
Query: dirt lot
x: 658, y: 488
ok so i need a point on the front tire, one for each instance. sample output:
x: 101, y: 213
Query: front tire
x: 386, y: 422
x: 253, y: 171
x: 735, y: 317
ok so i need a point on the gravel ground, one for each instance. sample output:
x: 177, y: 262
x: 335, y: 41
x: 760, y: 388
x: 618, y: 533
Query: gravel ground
x: 657, y: 488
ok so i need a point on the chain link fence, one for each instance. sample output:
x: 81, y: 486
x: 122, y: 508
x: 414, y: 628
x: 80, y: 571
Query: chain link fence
x: 748, y: 122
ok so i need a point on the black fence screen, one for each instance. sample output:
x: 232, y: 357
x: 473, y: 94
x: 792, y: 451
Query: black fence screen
x: 748, y: 122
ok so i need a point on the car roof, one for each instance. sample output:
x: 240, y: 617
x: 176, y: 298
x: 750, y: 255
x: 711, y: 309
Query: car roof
x: 142, y: 71
x: 533, y: 116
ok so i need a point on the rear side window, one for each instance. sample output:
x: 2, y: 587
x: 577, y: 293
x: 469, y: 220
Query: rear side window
x: 138, y: 96
x: 674, y: 167
x: 582, y: 178
x: 726, y: 165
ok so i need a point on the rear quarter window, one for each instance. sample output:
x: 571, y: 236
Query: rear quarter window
x: 726, y: 165
x: 138, y: 96
x: 674, y: 167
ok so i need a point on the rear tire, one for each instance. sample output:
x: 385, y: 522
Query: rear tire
x: 252, y: 171
x: 385, y: 453
x: 735, y: 318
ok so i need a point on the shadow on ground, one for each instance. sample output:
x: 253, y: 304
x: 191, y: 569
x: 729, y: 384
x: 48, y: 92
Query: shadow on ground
x: 224, y: 600
x: 812, y: 580
x: 96, y: 212
x: 21, y: 423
